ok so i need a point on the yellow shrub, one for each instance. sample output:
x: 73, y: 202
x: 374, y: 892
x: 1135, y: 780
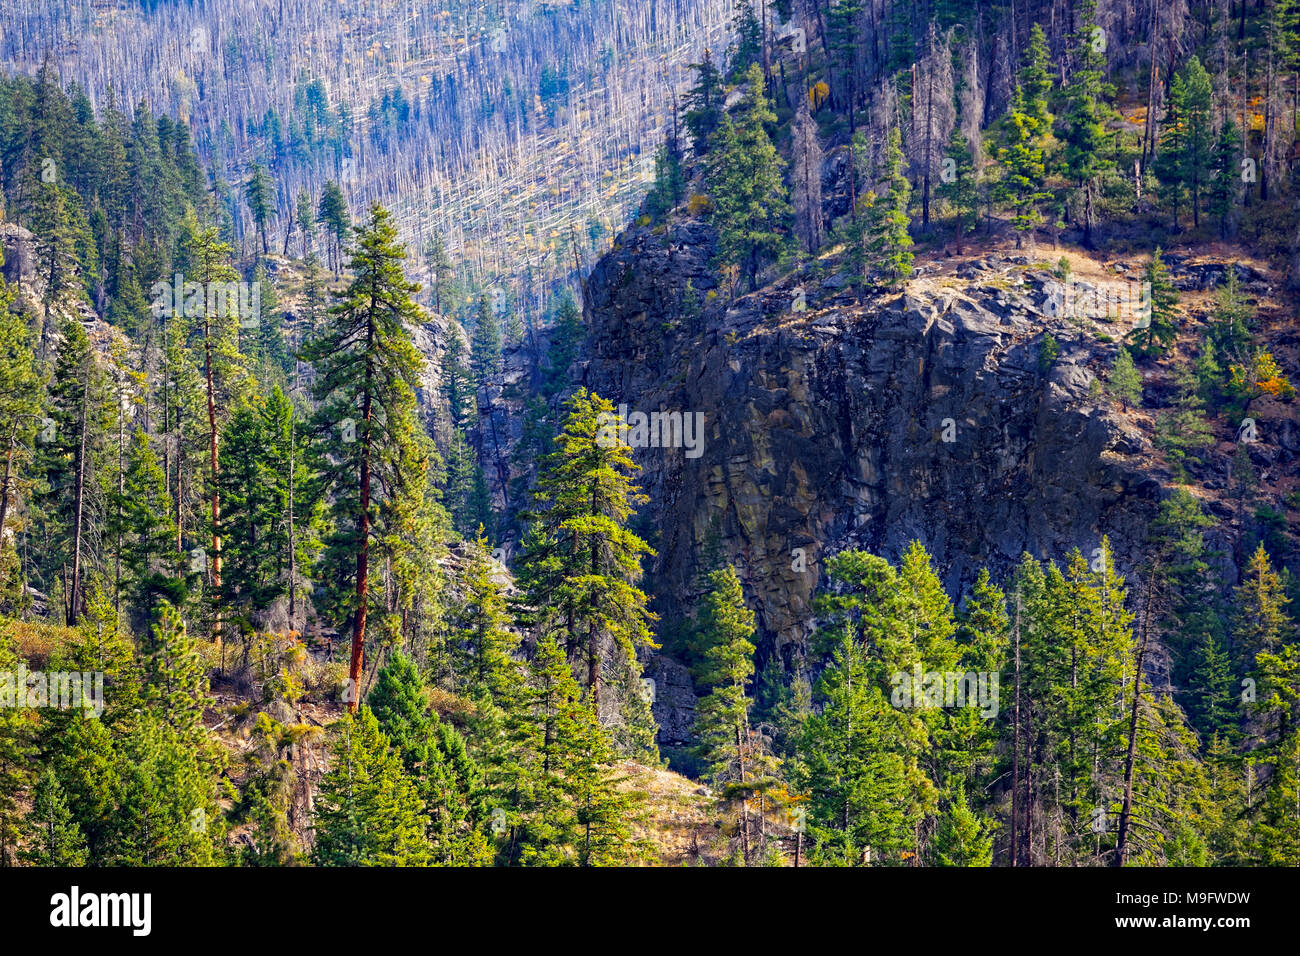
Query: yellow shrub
x: 699, y: 205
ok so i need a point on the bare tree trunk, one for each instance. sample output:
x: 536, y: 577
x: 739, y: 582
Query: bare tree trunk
x: 215, y: 493
x: 363, y: 549
x: 1125, y: 813
x: 79, y: 497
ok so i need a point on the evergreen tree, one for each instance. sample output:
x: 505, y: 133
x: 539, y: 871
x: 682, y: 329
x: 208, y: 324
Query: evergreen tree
x: 848, y: 763
x: 1124, y: 380
x: 20, y: 397
x: 261, y: 201
x: 368, y: 811
x: 1185, y: 163
x: 581, y: 563
x: 485, y: 347
x: 885, y: 243
x: 704, y: 110
x: 1087, y: 158
x: 727, y: 744
x: 962, y: 839
x: 961, y: 190
x: 484, y: 646
x: 746, y: 48
x: 332, y: 213
x: 743, y: 174
x: 1259, y: 619
x: 1158, y: 330
x: 54, y: 838
x: 418, y: 738
x: 367, y: 367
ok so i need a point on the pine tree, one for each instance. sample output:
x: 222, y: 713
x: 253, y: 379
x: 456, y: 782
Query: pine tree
x: 704, y: 111
x: 1087, y: 158
x: 859, y: 809
x: 366, y: 366
x: 727, y: 743
x: 332, y: 212
x: 222, y: 372
x: 141, y: 521
x: 76, y: 411
x: 1259, y: 619
x: 20, y: 398
x: 962, y: 840
x: 17, y: 750
x: 581, y: 565
x: 1158, y: 331
x: 484, y: 646
x: 1185, y: 163
x: 442, y: 274
x: 1024, y: 169
x: 886, y: 244
x: 259, y: 194
x: 54, y: 837
x: 747, y: 46
x: 368, y: 812
x: 1125, y: 381
x: 743, y: 174
x: 960, y: 190
x: 1276, y: 825
x: 418, y: 738
x: 305, y: 220
x: 485, y: 346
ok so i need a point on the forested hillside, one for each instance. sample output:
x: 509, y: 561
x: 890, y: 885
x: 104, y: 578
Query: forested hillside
x: 513, y: 134
x: 910, y: 480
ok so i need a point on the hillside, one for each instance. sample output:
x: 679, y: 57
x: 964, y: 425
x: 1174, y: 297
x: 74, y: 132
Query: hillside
x: 902, y: 473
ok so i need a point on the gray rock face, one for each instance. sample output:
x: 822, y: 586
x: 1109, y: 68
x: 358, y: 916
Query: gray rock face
x: 920, y: 414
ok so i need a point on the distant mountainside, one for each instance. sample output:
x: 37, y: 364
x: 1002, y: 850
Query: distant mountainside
x: 513, y: 130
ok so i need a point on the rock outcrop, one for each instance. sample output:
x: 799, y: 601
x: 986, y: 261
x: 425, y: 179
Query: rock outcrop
x: 929, y: 413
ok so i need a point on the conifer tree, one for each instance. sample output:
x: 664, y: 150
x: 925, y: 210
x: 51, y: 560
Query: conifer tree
x: 368, y: 812
x: 1087, y: 160
x: 332, y: 213
x: 1124, y: 380
x: 19, y: 402
x: 727, y: 743
x: 485, y: 348
x: 743, y: 174
x: 704, y: 110
x: 1158, y: 330
x: 1260, y: 623
x: 581, y: 564
x: 1185, y: 162
x: 962, y: 840
x: 859, y: 810
x: 961, y: 190
x: 484, y: 645
x: 76, y: 413
x: 886, y: 244
x: 367, y: 367
x: 429, y: 751
x: 140, y: 520
x: 54, y: 838
x: 17, y: 750
x: 259, y: 194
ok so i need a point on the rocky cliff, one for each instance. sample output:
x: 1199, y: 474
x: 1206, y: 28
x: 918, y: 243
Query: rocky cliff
x: 961, y: 409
